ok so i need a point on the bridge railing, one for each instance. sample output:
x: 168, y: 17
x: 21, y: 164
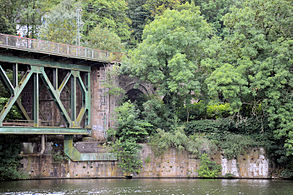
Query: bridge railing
x: 60, y: 49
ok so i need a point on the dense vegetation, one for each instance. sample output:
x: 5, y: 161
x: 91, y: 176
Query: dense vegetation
x: 222, y: 70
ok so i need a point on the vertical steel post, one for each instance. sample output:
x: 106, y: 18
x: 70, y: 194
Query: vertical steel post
x: 73, y: 97
x: 55, y: 78
x: 15, y: 75
x: 88, y: 99
x: 36, y: 106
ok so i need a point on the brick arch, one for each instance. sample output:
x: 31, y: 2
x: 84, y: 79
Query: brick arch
x: 140, y: 87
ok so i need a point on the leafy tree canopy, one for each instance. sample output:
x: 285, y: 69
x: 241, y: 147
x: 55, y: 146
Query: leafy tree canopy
x: 60, y: 23
x: 170, y: 55
x: 109, y: 14
x: 254, y: 66
x: 104, y: 39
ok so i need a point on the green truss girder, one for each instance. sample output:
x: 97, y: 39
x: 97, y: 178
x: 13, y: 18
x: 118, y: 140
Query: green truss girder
x: 13, y: 98
x: 44, y: 131
x: 43, y: 63
x: 10, y: 87
x: 37, y: 70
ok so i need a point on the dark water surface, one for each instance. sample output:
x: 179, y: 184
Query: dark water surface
x: 147, y: 186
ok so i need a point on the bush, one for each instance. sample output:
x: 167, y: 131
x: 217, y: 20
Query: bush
x: 127, y: 152
x: 218, y: 111
x: 129, y: 132
x: 233, y: 145
x: 129, y: 125
x: 208, y: 168
x: 9, y: 158
x: 209, y: 126
x: 161, y: 141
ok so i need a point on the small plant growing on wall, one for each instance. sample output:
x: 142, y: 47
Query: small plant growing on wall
x: 208, y: 168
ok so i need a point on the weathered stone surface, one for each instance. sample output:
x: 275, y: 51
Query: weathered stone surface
x: 89, y: 147
x: 172, y: 163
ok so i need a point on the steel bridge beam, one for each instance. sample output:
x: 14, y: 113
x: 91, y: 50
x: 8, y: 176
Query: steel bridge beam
x: 37, y: 71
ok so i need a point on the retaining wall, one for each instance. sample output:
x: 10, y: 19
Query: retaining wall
x: 172, y: 163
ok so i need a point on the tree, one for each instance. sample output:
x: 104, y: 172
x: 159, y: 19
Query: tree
x: 9, y: 10
x: 129, y: 132
x: 213, y: 11
x: 255, y: 66
x: 138, y: 16
x: 156, y: 7
x: 170, y: 55
x: 104, y: 39
x: 60, y: 23
x: 109, y: 14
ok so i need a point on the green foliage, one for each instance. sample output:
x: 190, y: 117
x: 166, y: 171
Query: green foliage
x: 209, y: 126
x: 208, y: 168
x: 110, y: 14
x: 9, y: 158
x: 128, y: 124
x: 157, y: 7
x: 218, y: 110
x: 161, y: 141
x: 231, y: 139
x: 103, y: 39
x: 60, y: 23
x: 112, y: 74
x: 129, y: 132
x: 198, y: 144
x: 169, y: 56
x: 158, y: 114
x: 138, y: 15
x: 233, y: 145
x: 200, y: 110
x: 213, y: 11
x: 128, y: 155
x: 195, y: 144
x: 254, y: 66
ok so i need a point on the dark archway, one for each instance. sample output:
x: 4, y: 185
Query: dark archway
x: 137, y: 97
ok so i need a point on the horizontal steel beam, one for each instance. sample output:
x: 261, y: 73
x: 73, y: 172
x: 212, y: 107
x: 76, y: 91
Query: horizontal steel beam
x: 44, y: 130
x: 43, y: 63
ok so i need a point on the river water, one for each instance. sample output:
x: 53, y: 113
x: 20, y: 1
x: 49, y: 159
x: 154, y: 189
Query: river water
x: 148, y: 186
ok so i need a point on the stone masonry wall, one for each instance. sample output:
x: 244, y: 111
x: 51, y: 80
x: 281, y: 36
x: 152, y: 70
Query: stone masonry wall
x: 172, y: 163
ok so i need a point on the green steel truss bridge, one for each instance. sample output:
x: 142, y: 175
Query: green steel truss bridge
x: 49, y: 85
x: 60, y: 72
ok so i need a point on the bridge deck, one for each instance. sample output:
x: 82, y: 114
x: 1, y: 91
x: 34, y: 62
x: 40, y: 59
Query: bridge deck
x: 44, y: 131
x: 58, y: 49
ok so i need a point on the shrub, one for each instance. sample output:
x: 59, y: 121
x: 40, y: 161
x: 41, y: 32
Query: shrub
x: 208, y: 168
x: 9, y: 158
x: 218, y: 111
x: 127, y: 152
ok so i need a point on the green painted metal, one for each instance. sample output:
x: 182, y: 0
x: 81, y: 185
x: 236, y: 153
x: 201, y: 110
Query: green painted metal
x: 36, y: 103
x: 37, y: 71
x: 11, y: 87
x: 43, y: 63
x: 15, y: 75
x: 6, y: 80
x: 73, y: 96
x: 44, y: 130
x: 88, y: 100
x: 22, y: 109
x: 55, y: 78
x: 64, y: 82
x: 56, y: 97
x: 75, y: 155
x: 17, y: 92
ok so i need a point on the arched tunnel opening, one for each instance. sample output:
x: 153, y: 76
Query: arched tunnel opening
x: 136, y: 97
